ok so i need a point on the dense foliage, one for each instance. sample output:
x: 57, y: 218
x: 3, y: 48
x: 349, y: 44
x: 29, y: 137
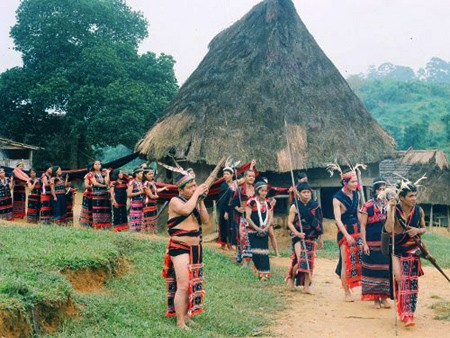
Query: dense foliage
x: 414, y: 109
x: 83, y: 82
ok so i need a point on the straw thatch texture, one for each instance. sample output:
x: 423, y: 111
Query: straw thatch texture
x: 263, y: 69
x: 412, y: 164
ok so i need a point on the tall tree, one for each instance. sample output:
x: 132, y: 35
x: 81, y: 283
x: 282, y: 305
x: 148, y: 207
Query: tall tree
x: 83, y: 83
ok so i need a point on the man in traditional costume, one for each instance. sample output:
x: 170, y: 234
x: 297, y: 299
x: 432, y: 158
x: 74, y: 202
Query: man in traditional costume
x: 309, y: 216
x: 345, y: 206
x: 375, y: 280
x: 183, y: 267
x: 407, y: 220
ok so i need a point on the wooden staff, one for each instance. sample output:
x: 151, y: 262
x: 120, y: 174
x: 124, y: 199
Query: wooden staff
x: 302, y: 240
x: 211, y: 178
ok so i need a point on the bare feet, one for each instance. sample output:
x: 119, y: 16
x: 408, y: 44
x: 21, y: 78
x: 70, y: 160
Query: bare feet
x: 190, y: 322
x: 183, y: 327
x: 410, y: 322
x: 349, y: 297
x: 309, y: 292
x: 377, y: 304
x: 290, y: 283
x: 385, y: 303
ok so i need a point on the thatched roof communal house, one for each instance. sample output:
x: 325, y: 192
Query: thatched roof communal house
x: 434, y: 193
x: 264, y: 69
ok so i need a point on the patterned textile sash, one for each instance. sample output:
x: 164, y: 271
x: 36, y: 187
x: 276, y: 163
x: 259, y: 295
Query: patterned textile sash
x: 195, y: 267
x: 407, y: 293
x: 6, y: 207
x: 352, y: 258
x: 375, y: 280
x: 33, y: 208
x: 245, y: 249
x: 150, y: 216
x: 260, y: 254
x: 46, y: 211
x: 308, y: 255
x: 19, y: 200
x: 101, y: 209
x: 136, y: 207
x: 86, y: 209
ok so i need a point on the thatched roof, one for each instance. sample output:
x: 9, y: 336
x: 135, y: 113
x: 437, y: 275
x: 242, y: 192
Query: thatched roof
x: 10, y: 144
x: 412, y: 164
x: 263, y: 69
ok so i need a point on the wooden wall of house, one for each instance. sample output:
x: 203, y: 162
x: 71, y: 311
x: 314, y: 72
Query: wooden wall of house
x: 10, y: 157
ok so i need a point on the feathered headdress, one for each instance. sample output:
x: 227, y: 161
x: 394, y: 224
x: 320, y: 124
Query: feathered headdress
x: 332, y: 167
x: 231, y: 165
x: 402, y: 185
x: 177, y: 169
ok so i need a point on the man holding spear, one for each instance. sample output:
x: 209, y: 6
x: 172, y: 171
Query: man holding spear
x: 406, y: 220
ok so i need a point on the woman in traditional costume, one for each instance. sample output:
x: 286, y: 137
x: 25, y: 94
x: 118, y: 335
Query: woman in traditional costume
x: 46, y: 212
x: 136, y: 194
x: 101, y: 202
x: 119, y: 200
x: 19, y: 194
x: 34, y: 198
x: 375, y: 279
x: 150, y: 209
x: 258, y: 211
x: 227, y: 237
x: 244, y: 192
x: 6, y: 207
x: 58, y: 189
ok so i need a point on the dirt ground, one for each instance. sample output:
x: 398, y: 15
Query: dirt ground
x: 325, y: 314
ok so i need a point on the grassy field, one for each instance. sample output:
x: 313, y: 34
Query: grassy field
x: 132, y: 305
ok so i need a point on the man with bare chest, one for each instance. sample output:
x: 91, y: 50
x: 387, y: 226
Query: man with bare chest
x: 345, y: 206
x: 183, y: 268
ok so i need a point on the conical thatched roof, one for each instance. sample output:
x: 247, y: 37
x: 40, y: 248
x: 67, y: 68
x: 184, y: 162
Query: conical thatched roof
x: 413, y: 164
x: 263, y: 69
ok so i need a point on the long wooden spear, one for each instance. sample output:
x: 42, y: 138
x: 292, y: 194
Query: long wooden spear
x: 302, y: 240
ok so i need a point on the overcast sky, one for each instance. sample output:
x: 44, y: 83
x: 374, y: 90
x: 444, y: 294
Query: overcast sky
x: 353, y: 33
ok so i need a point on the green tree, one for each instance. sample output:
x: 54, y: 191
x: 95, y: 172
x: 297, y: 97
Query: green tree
x: 83, y: 83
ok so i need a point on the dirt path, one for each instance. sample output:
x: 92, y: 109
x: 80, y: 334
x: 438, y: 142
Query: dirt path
x: 326, y: 314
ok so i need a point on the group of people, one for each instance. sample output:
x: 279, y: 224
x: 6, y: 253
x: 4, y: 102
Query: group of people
x: 383, y: 268
x: 246, y: 224
x: 246, y: 215
x: 50, y: 198
x: 106, y: 195
x: 104, y: 206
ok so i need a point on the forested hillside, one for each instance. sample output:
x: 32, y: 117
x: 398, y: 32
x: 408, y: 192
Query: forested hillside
x: 413, y: 107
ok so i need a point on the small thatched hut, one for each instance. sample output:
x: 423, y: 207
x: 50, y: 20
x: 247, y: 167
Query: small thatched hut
x: 12, y: 152
x: 434, y: 194
x: 264, y: 69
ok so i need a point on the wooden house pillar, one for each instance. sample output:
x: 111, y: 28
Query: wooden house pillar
x: 318, y: 197
x: 431, y: 218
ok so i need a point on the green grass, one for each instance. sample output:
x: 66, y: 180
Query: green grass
x: 439, y: 247
x: 236, y: 303
x: 442, y: 310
